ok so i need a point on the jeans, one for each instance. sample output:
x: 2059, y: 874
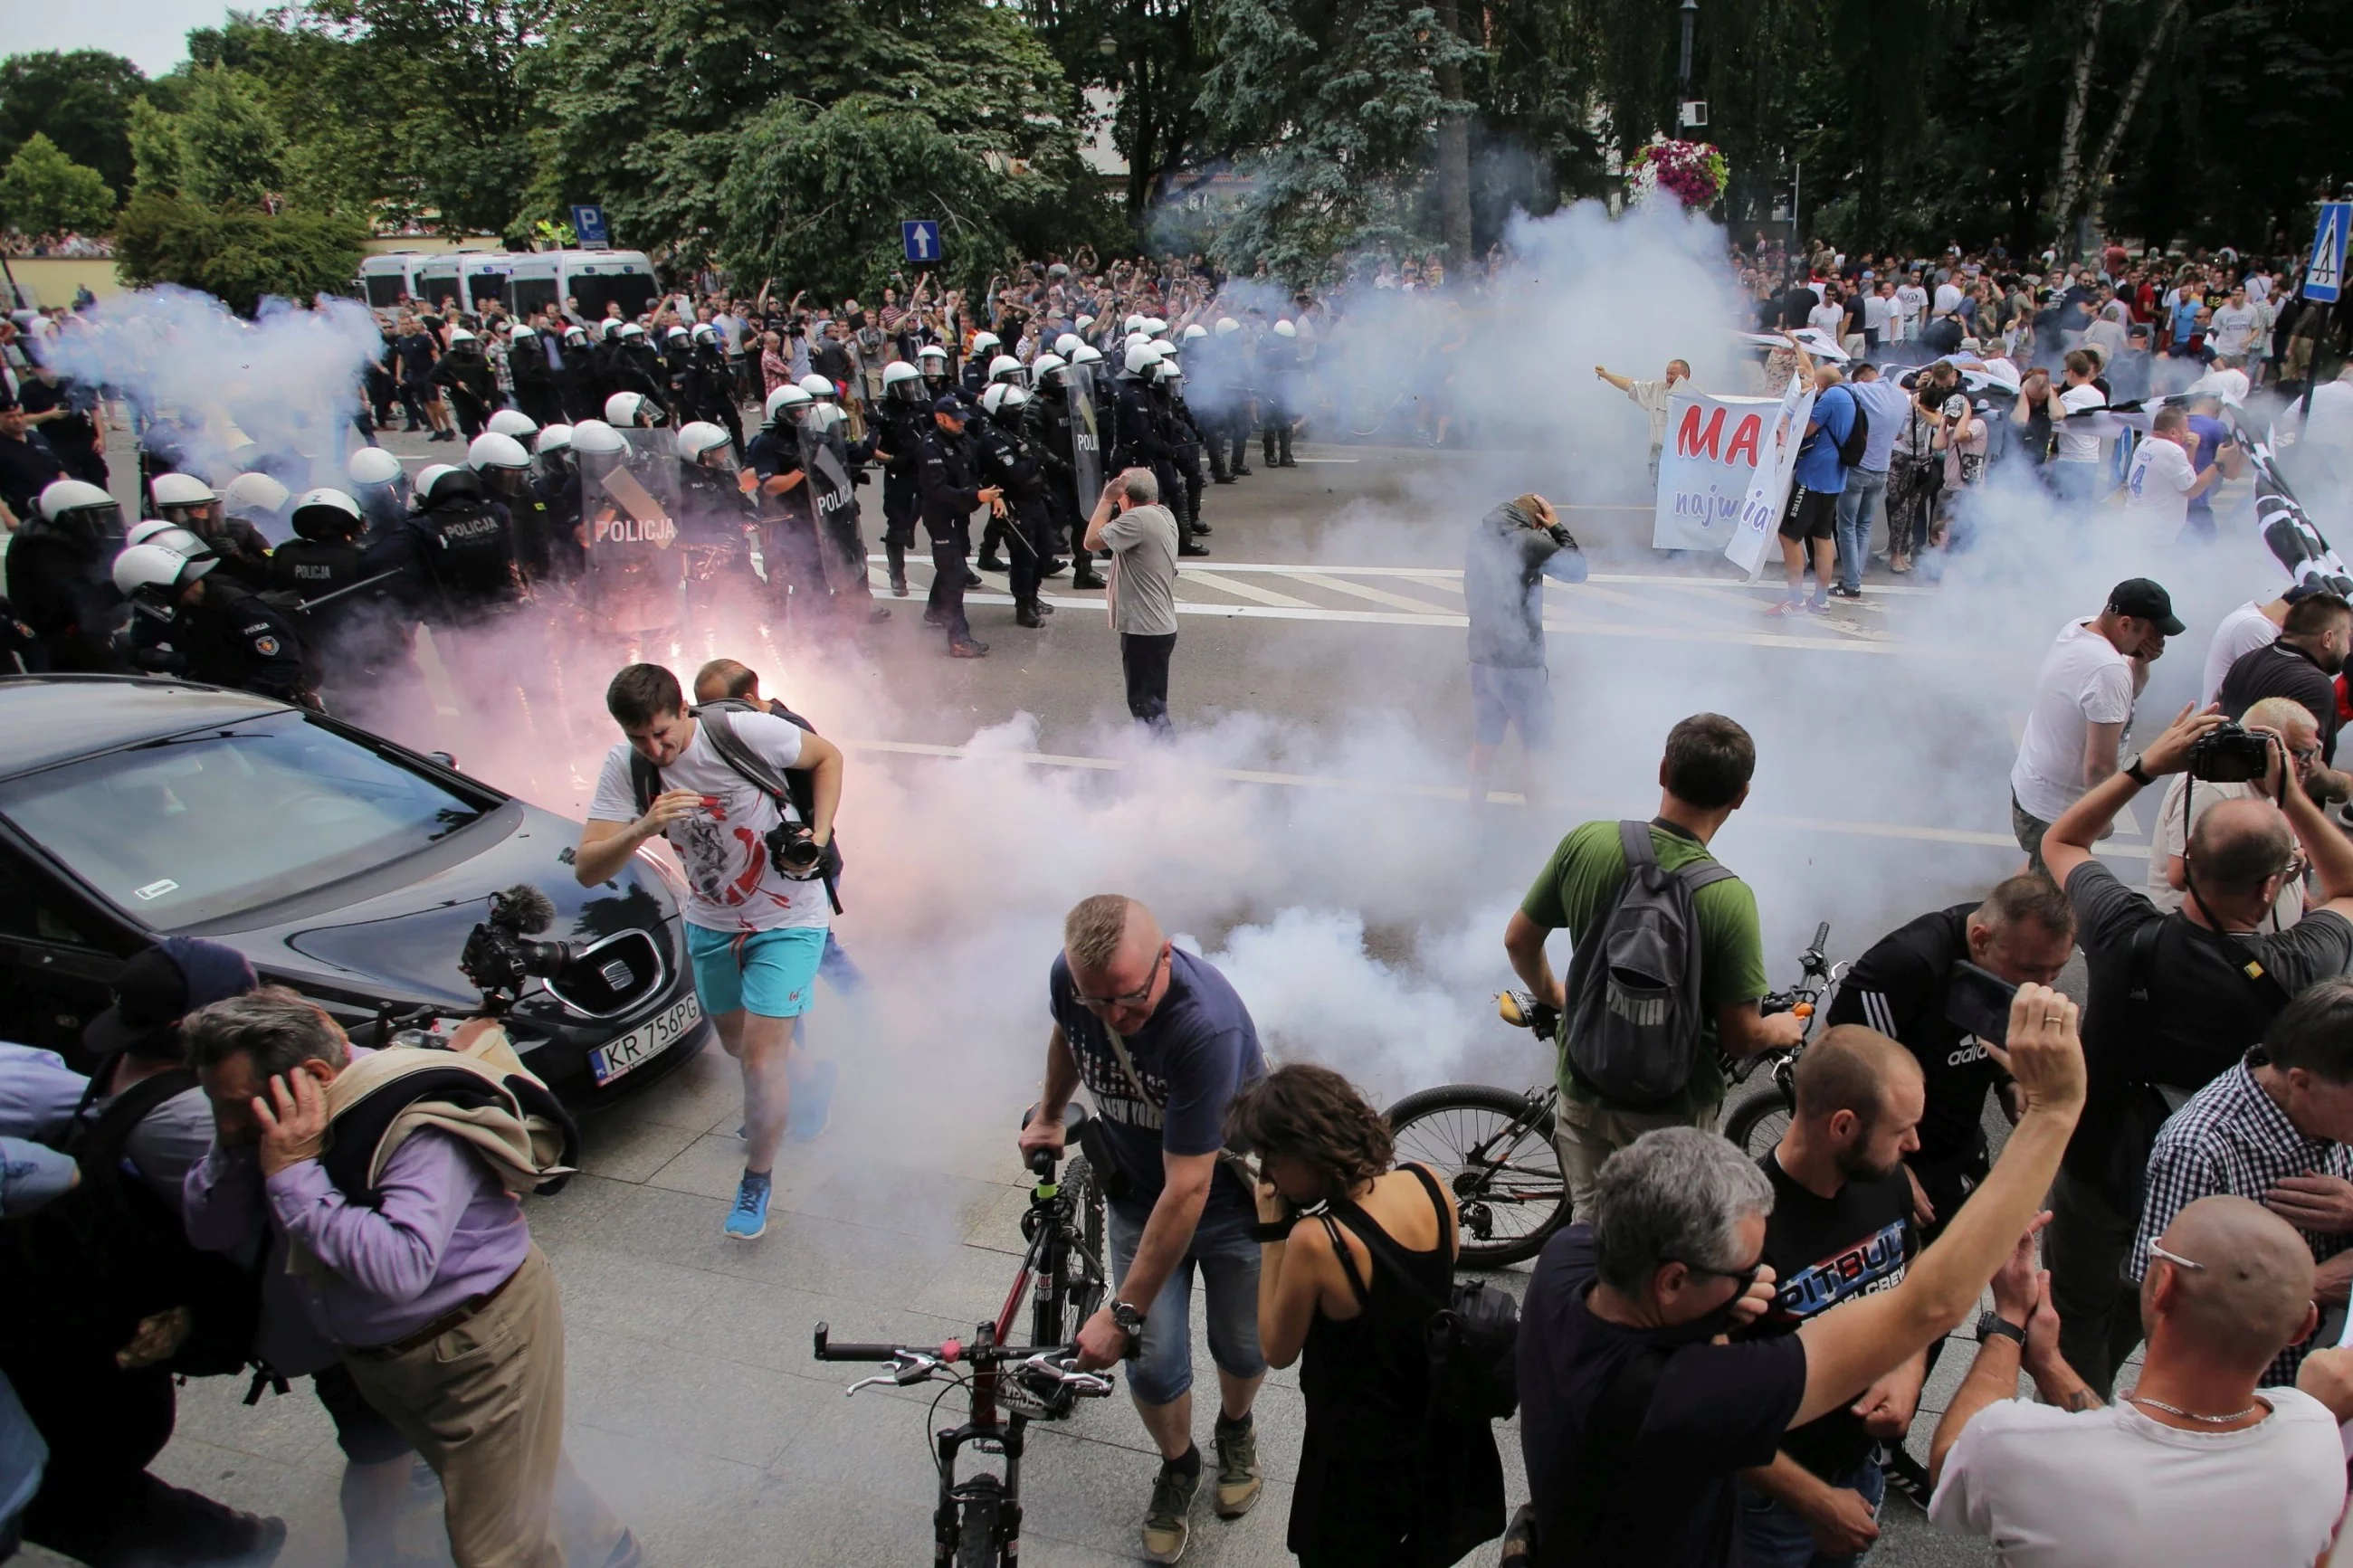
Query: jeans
x: 1773, y: 1535
x: 1228, y: 1259
x: 1859, y: 507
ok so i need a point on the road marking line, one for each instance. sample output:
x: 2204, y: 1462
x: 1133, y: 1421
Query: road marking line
x: 1377, y: 596
x: 1836, y: 825
x: 1240, y: 590
x: 1455, y: 575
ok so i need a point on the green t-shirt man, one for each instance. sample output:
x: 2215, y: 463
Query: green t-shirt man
x: 1575, y: 888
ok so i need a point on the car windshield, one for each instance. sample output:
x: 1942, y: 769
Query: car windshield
x: 189, y: 829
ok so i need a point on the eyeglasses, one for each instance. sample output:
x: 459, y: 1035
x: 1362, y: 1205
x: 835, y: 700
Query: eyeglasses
x: 2155, y: 1250
x: 1135, y: 998
x: 1741, y: 1278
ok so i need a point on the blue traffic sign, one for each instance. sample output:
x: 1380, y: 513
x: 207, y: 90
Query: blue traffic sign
x: 922, y: 238
x: 2324, y: 274
x: 588, y: 229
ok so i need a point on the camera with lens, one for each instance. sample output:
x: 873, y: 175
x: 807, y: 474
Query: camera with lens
x: 2229, y: 754
x: 795, y: 852
x: 500, y: 953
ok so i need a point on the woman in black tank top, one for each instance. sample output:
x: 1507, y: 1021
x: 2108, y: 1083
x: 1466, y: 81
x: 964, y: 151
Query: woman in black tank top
x: 1384, y: 1480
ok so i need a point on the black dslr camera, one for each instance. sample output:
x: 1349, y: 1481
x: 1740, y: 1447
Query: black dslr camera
x: 793, y: 849
x: 2227, y: 754
x: 499, y: 954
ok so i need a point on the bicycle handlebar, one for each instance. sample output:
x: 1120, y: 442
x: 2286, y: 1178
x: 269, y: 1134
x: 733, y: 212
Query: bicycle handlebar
x: 952, y: 1352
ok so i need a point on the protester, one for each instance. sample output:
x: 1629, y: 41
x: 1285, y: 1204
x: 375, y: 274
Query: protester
x: 1704, y: 778
x: 2164, y: 480
x: 1884, y: 405
x: 2301, y: 663
x: 2250, y: 626
x: 1653, y: 398
x: 2083, y: 700
x: 1385, y: 1479
x: 755, y: 920
x: 2187, y: 799
x: 2174, y: 999
x: 1513, y: 550
x: 1810, y: 519
x: 1163, y: 1046
x: 1142, y: 537
x: 1635, y: 1414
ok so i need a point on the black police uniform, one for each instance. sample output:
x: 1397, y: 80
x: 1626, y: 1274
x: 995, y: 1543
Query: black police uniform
x: 472, y: 385
x: 788, y: 544
x: 712, y: 511
x: 577, y: 383
x: 59, y: 584
x: 231, y: 637
x: 638, y: 367
x: 902, y: 437
x: 556, y: 488
x: 950, y: 483
x: 1278, y: 363
x: 707, y: 391
x: 71, y: 435
x: 1050, y: 427
x: 1009, y: 463
x: 244, y: 553
x: 1141, y: 438
x: 460, y: 561
x: 535, y: 380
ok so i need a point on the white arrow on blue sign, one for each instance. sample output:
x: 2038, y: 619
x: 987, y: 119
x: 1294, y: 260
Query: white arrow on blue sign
x: 922, y: 238
x: 2324, y: 275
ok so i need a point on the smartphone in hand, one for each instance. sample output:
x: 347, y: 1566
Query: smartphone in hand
x: 1978, y: 1001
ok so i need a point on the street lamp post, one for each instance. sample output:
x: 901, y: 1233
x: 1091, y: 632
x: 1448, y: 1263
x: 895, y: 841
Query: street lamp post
x: 1684, y: 78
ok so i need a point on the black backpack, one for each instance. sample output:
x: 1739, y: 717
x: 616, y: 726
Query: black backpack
x: 792, y: 788
x: 1633, y: 1023
x: 1473, y: 1337
x: 78, y: 1276
x: 1858, y: 434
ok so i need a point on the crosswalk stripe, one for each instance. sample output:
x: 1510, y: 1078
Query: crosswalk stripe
x: 1243, y: 590
x: 1377, y: 596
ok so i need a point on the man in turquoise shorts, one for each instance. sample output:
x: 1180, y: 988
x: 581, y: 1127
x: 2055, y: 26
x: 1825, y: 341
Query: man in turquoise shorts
x: 755, y: 929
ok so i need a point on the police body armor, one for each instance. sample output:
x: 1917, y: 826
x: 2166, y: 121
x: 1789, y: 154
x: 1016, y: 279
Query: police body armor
x: 469, y: 551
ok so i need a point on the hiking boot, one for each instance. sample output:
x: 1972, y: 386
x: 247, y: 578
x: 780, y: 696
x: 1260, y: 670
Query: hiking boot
x: 1238, y: 1484
x: 1166, y: 1528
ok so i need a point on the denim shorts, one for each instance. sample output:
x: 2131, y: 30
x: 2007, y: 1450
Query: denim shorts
x: 770, y: 973
x: 1228, y: 1260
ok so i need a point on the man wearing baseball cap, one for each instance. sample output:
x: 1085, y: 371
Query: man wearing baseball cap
x: 2083, y: 700
x: 948, y: 475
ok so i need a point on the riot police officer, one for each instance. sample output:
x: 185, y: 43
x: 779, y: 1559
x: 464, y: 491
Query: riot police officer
x: 381, y: 487
x: 577, y: 383
x: 951, y: 489
x: 638, y: 366
x: 1278, y: 369
x: 1143, y: 434
x: 933, y: 360
x: 788, y: 524
x: 1012, y: 465
x: 324, y: 573
x: 217, y: 632
x: 1048, y: 423
x: 473, y: 386
x: 503, y: 467
x: 904, y: 411
x: 458, y: 563
x: 1184, y: 438
x: 712, y: 515
x: 707, y: 386
x: 976, y: 374
x: 836, y: 466
x: 535, y: 376
x: 555, y: 482
x: 187, y: 501
x: 56, y: 575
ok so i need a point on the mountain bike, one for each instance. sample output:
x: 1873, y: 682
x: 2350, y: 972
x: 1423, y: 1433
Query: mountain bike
x: 977, y: 1521
x: 1757, y: 1122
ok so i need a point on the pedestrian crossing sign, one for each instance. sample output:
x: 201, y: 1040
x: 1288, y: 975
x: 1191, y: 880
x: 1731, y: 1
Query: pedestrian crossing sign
x: 922, y: 238
x: 2324, y: 275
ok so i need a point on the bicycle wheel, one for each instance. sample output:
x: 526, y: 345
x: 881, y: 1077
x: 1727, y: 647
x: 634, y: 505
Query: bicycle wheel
x: 1070, y: 1300
x: 1368, y: 408
x: 1757, y: 1122
x: 1511, y: 1196
x: 977, y: 1527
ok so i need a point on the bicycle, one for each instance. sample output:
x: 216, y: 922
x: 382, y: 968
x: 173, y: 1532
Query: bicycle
x: 977, y: 1521
x: 1756, y: 1123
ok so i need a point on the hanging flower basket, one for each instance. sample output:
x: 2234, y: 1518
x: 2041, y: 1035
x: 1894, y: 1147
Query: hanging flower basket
x: 1694, y: 173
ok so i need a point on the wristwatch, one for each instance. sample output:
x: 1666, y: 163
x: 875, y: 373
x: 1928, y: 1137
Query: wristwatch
x: 2139, y: 774
x: 1131, y: 1322
x: 1995, y: 1324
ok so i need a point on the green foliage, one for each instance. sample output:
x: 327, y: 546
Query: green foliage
x: 155, y: 148
x: 81, y: 100
x: 238, y: 255
x: 1158, y: 52
x: 43, y: 191
x: 231, y: 149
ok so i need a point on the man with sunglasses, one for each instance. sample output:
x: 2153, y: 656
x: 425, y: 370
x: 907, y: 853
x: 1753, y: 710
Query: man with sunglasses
x: 1163, y: 1045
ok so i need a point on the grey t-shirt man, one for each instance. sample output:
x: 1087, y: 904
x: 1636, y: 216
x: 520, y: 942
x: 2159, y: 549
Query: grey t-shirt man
x: 1143, y: 596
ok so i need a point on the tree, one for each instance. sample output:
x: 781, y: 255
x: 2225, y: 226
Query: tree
x: 42, y: 191
x: 1154, y: 65
x: 239, y: 256
x: 231, y: 151
x: 81, y: 100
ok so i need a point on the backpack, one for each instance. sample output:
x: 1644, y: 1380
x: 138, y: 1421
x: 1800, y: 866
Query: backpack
x: 1858, y: 434
x: 1632, y: 1031
x: 1472, y: 1338
x: 77, y: 1277
x: 793, y: 788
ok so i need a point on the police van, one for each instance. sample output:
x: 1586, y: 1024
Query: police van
x: 429, y: 277
x: 523, y: 281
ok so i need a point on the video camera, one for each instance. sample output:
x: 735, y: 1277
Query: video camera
x: 499, y: 954
x: 2229, y: 754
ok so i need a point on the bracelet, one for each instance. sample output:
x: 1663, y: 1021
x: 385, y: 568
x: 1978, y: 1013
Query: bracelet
x: 1274, y: 1230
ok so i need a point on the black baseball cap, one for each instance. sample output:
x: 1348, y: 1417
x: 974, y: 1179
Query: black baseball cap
x: 161, y: 986
x: 2146, y: 601
x: 950, y: 405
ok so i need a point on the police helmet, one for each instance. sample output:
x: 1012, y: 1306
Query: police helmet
x: 249, y: 494
x: 491, y: 450
x: 704, y: 333
x: 576, y: 335
x: 552, y: 441
x: 824, y: 416
x: 460, y: 335
x: 140, y: 532
x: 1228, y: 326
x: 1167, y: 372
x: 1134, y: 324
x: 1066, y: 343
x: 1283, y: 329
x: 1155, y: 327
x: 899, y: 373
x: 1085, y: 321
x: 594, y: 438
x: 1002, y: 398
x: 83, y: 503
x: 512, y: 422
x: 326, y: 513
x: 609, y: 329
x: 157, y: 570
x: 1005, y: 367
x: 171, y: 536
x: 698, y: 436
x: 674, y: 334
x: 1046, y: 369
x: 443, y: 482
x: 933, y: 351
x: 984, y: 342
x: 1086, y: 353
x: 819, y: 387
x: 788, y: 398
x: 523, y: 330
x: 180, y: 489
x: 370, y: 465
x: 631, y: 330
x: 631, y: 410
x: 1141, y: 357
x: 1194, y: 330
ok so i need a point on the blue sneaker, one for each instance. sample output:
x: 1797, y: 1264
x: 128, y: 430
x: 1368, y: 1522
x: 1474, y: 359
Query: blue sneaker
x: 748, y: 1220
x: 812, y: 1111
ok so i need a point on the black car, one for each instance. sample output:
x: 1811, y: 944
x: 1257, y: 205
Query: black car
x: 339, y: 863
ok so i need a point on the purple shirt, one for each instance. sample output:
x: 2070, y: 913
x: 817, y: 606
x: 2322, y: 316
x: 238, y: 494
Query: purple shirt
x: 444, y: 1230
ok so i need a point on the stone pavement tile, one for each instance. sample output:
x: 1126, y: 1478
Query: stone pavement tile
x: 710, y: 1167
x: 303, y: 1498
x: 1092, y: 1495
x: 630, y: 1150
x: 291, y: 1429
x: 995, y: 1223
x: 610, y: 1291
x: 705, y: 1094
x: 687, y: 1400
x: 685, y: 1508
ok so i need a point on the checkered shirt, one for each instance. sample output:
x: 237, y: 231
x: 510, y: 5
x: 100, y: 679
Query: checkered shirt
x: 2232, y: 1137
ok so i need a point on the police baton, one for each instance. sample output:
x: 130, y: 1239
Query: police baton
x: 307, y: 606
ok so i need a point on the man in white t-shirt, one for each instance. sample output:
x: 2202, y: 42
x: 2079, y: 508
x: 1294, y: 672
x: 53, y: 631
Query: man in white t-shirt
x: 2162, y: 480
x: 2083, y: 700
x: 2243, y: 630
x: 2187, y: 799
x: 1912, y: 301
x: 2195, y: 1465
x: 755, y: 928
x: 2077, y: 464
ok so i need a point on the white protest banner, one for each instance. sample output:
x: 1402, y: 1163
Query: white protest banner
x: 1705, y: 467
x: 1769, y: 487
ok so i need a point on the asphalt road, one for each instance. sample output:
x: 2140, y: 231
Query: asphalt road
x: 1319, y: 682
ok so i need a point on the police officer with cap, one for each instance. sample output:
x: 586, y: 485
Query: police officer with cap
x: 221, y: 634
x: 949, y: 479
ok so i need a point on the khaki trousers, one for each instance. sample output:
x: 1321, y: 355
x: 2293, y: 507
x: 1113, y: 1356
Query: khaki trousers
x: 484, y: 1403
x: 1586, y: 1135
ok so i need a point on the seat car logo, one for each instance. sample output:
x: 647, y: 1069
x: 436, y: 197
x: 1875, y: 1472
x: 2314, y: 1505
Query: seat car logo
x: 618, y: 974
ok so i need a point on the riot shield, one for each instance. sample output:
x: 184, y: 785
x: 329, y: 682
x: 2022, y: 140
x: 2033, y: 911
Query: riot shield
x: 632, y: 581
x: 1086, y: 445
x: 833, y: 501
x: 653, y: 461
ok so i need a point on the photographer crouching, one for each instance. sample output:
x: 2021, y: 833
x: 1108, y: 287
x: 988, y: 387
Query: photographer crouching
x: 710, y: 780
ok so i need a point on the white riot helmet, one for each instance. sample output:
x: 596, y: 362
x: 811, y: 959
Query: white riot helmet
x: 1086, y: 353
x: 984, y: 342
x: 631, y: 330
x: 1155, y: 327
x: 1085, y: 321
x: 1194, y: 331
x: 1001, y: 398
x: 824, y: 416
x: 609, y: 328
x: 698, y: 436
x: 326, y: 513
x: 674, y: 334
x: 933, y: 351
x: 631, y: 410
x: 1134, y: 324
x: 512, y: 422
x: 1045, y: 369
x: 704, y: 333
x: 369, y: 465
x: 592, y: 439
x: 553, y: 440
x: 1283, y: 329
x: 821, y: 387
x: 1166, y: 372
x: 575, y: 335
x: 491, y: 450
x: 523, y: 330
x: 140, y: 532
x: 787, y: 399
x: 460, y: 335
x: 1005, y: 367
x: 432, y: 474
x: 1067, y: 343
x: 157, y: 570
x: 1228, y: 326
x: 902, y: 382
x: 1141, y: 357
x: 250, y: 494
x: 184, y: 490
